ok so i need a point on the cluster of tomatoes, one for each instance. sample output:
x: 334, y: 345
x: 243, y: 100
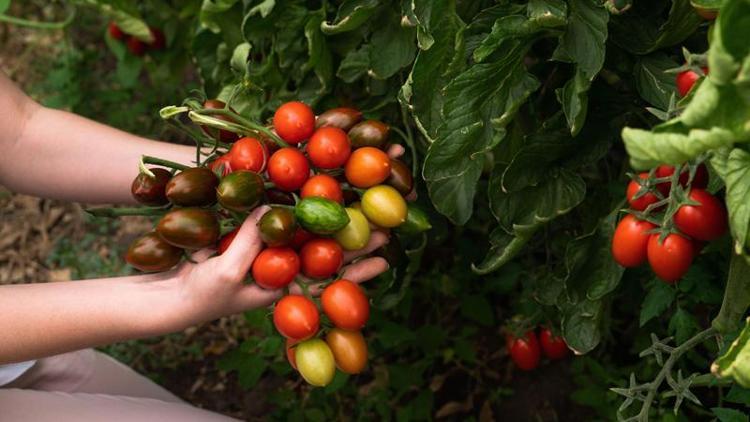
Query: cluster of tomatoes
x: 667, y: 225
x: 136, y: 46
x: 329, y: 182
x: 526, y: 352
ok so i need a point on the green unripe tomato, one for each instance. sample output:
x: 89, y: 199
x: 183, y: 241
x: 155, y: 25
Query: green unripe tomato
x: 384, y: 206
x: 315, y: 362
x: 416, y: 222
x: 320, y: 215
x: 356, y: 234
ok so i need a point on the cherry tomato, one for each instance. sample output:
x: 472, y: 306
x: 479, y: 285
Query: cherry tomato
x: 277, y: 227
x: 221, y: 165
x: 296, y: 317
x: 343, y: 118
x: 321, y: 258
x: 554, y: 347
x: 288, y: 169
x: 149, y: 190
x: 240, y: 191
x: 707, y: 221
x: 159, y: 42
x: 630, y: 241
x: 226, y: 240
x: 356, y: 234
x: 290, y: 349
x: 193, y: 187
x: 700, y: 179
x: 276, y: 196
x: 275, y: 268
x: 136, y: 46
x: 323, y: 186
x: 349, y: 350
x: 345, y: 305
x: 301, y: 236
x: 150, y: 253
x: 671, y: 259
x: 524, y: 351
x: 315, y: 362
x: 248, y: 154
x: 372, y: 133
x: 115, y: 31
x: 329, y: 148
x: 224, y: 135
x: 294, y: 122
x: 384, y: 206
x: 686, y: 79
x: 643, y: 201
x: 400, y: 177
x: 189, y: 228
x: 367, y: 166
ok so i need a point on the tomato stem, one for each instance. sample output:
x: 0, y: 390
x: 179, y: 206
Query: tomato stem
x: 147, y: 159
x: 736, y: 296
x: 119, y: 212
x: 245, y: 124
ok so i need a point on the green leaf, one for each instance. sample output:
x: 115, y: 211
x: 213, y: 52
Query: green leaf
x: 581, y: 325
x: 682, y: 325
x: 240, y: 57
x: 264, y: 8
x: 396, y: 41
x: 736, y: 174
x: 582, y: 44
x: 355, y: 64
x: 650, y: 149
x: 739, y: 395
x: 659, y: 297
x: 4, y: 5
x: 504, y: 248
x: 729, y: 51
x: 320, y: 59
x: 214, y: 11
x: 655, y: 85
x: 128, y: 70
x: 707, y: 4
x: 735, y: 363
x: 351, y: 14
x: 729, y: 415
x: 477, y: 309
x: 642, y: 30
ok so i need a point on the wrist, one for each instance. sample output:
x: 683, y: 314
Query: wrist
x: 167, y: 308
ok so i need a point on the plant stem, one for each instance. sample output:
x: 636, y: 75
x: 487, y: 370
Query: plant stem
x: 161, y: 162
x: 245, y: 123
x: 119, y: 212
x: 736, y: 296
x: 673, y: 357
x: 38, y: 25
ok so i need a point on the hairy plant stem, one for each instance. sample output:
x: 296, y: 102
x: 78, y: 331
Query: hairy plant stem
x: 146, y: 159
x: 736, y: 296
x: 667, y: 368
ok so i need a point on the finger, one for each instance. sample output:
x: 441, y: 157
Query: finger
x: 254, y: 296
x: 365, y: 269
x: 202, y: 255
x: 377, y: 240
x: 247, y: 244
x: 395, y: 151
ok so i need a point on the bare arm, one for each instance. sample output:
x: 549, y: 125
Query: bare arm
x: 56, y: 154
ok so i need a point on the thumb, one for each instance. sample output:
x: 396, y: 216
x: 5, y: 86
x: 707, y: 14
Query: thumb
x: 247, y: 244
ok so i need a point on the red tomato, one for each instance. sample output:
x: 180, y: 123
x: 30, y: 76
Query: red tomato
x: 345, y: 305
x: 707, y: 221
x: 329, y: 147
x: 275, y: 268
x: 554, y: 347
x: 115, y: 32
x: 321, y: 258
x: 248, y: 154
x: 524, y: 351
x: 226, y: 240
x: 700, y: 179
x: 671, y: 259
x: 643, y: 201
x: 301, y: 236
x: 324, y: 186
x: 296, y: 317
x: 367, y: 166
x: 136, y: 46
x: 159, y: 42
x: 290, y: 343
x: 222, y: 162
x: 686, y: 79
x: 288, y: 169
x: 294, y: 122
x: 630, y: 241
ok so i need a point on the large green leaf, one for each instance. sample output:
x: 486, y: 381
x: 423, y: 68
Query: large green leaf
x: 655, y: 85
x: 735, y: 363
x: 736, y: 173
x: 648, y: 149
x: 351, y: 14
x: 643, y: 30
x: 392, y: 46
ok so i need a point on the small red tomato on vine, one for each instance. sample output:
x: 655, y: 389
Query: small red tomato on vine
x: 115, y: 32
x: 160, y: 41
x: 248, y: 154
x: 226, y: 240
x: 288, y: 169
x: 686, y: 79
x: 136, y: 46
x: 321, y: 258
x: 345, y: 305
x: 700, y: 179
x: 524, y: 351
x: 367, y: 166
x: 630, y: 241
x: 323, y: 186
x: 706, y: 221
x: 329, y: 148
x: 294, y: 122
x: 275, y: 268
x: 640, y: 203
x: 554, y: 347
x: 221, y: 165
x: 671, y: 259
x: 296, y: 317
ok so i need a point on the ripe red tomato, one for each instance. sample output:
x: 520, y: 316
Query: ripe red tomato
x: 321, y: 258
x: 115, y: 31
x: 324, y: 186
x: 248, y: 154
x: 136, y: 46
x: 686, y: 79
x: 630, y: 241
x: 707, y: 221
x: 345, y: 305
x: 226, y: 240
x: 294, y: 122
x: 288, y: 169
x: 643, y: 201
x: 222, y: 162
x: 159, y: 42
x: 290, y: 343
x: 367, y: 166
x: 329, y: 148
x: 524, y: 351
x: 275, y: 268
x: 554, y: 347
x: 700, y: 179
x: 296, y: 317
x: 301, y: 236
x: 671, y: 259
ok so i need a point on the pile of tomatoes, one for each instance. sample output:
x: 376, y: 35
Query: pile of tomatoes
x: 136, y: 46
x: 668, y: 225
x: 330, y: 183
x: 526, y: 353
